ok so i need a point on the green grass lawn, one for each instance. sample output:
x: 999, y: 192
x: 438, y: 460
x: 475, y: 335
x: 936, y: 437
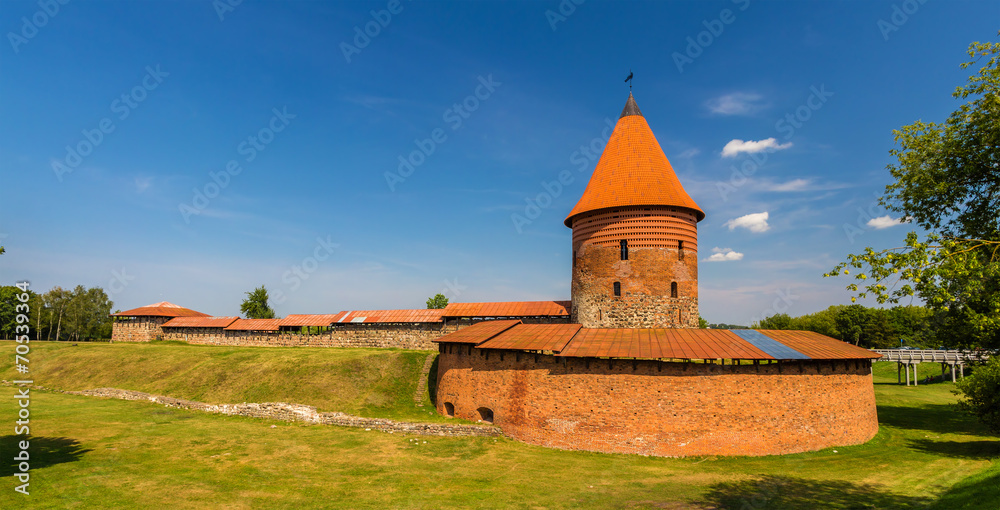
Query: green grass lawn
x: 377, y: 383
x: 97, y: 453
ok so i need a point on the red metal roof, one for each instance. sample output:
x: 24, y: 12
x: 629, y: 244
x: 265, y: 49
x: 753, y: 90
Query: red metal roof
x: 509, y: 309
x: 478, y: 333
x: 310, y: 320
x: 818, y: 346
x: 572, y: 341
x: 199, y: 322
x: 632, y: 171
x: 533, y: 337
x: 373, y: 316
x: 161, y: 309
x: 254, y: 325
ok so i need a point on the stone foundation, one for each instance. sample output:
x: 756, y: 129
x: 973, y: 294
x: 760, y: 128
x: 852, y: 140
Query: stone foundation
x: 298, y: 413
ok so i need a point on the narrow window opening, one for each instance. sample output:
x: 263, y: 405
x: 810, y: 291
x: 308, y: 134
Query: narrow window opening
x: 485, y: 414
x: 673, y: 289
x: 618, y: 289
x: 449, y: 409
x: 624, y: 246
x: 574, y: 259
x: 680, y: 249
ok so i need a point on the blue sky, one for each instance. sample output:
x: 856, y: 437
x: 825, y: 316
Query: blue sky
x: 120, y: 120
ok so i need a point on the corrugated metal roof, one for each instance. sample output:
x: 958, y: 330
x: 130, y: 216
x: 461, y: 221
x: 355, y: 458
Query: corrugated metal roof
x: 478, y: 333
x: 533, y: 337
x: 373, y: 316
x: 818, y: 346
x: 254, y: 325
x: 509, y: 309
x: 310, y: 320
x: 161, y: 309
x: 199, y: 322
x: 572, y: 341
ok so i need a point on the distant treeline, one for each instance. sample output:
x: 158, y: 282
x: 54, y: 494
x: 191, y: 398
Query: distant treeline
x: 871, y: 328
x: 59, y: 314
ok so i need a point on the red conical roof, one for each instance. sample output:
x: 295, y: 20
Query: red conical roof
x: 633, y: 171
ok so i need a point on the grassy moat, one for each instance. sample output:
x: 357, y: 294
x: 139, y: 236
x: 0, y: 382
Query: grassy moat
x: 96, y: 453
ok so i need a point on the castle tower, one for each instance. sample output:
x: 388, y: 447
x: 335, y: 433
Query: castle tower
x: 635, y: 237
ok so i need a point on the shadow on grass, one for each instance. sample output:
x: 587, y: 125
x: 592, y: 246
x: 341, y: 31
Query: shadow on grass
x: 784, y: 492
x: 977, y: 450
x: 978, y: 491
x: 432, y: 380
x: 941, y: 418
x: 43, y: 452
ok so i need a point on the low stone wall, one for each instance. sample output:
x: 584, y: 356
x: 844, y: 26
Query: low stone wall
x: 137, y: 329
x: 650, y: 407
x: 401, y: 336
x: 299, y: 413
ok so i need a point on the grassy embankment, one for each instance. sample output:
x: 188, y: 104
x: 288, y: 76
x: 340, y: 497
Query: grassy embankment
x: 377, y: 383
x: 108, y: 453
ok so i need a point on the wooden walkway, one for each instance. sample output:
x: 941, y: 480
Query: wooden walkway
x: 949, y: 359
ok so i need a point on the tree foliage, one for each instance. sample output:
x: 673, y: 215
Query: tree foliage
x: 255, y: 306
x: 872, y: 328
x: 438, y: 301
x: 947, y: 181
x: 80, y: 314
x: 980, y: 394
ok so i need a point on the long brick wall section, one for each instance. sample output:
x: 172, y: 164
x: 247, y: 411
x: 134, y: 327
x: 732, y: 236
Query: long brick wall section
x: 672, y: 409
x: 402, y: 336
x: 378, y: 335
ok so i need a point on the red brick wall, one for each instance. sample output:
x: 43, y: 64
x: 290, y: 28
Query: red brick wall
x: 664, y: 409
x: 654, y: 263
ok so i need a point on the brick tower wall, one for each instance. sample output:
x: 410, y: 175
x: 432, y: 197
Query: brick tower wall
x: 662, y: 254
x: 661, y: 408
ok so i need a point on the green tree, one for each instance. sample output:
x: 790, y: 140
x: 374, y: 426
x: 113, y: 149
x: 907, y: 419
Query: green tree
x: 946, y: 182
x: 979, y: 394
x: 438, y: 301
x: 255, y: 306
x: 702, y: 323
x: 8, y: 313
x: 776, y: 321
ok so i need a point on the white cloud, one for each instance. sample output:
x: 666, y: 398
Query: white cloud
x: 756, y: 222
x: 690, y: 153
x: 792, y: 185
x: 886, y: 222
x: 737, y: 146
x: 738, y: 103
x: 724, y: 255
x: 143, y: 183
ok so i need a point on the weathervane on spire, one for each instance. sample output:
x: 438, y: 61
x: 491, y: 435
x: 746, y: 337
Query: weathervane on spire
x: 629, y: 81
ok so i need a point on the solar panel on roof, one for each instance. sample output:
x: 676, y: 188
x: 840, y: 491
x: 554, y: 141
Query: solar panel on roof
x: 772, y: 347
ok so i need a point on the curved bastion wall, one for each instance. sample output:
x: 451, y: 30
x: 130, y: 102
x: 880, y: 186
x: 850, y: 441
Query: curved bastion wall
x: 650, y: 407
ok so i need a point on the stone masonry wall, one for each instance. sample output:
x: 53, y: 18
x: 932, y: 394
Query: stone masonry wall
x: 138, y: 329
x: 402, y: 336
x: 661, y: 408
